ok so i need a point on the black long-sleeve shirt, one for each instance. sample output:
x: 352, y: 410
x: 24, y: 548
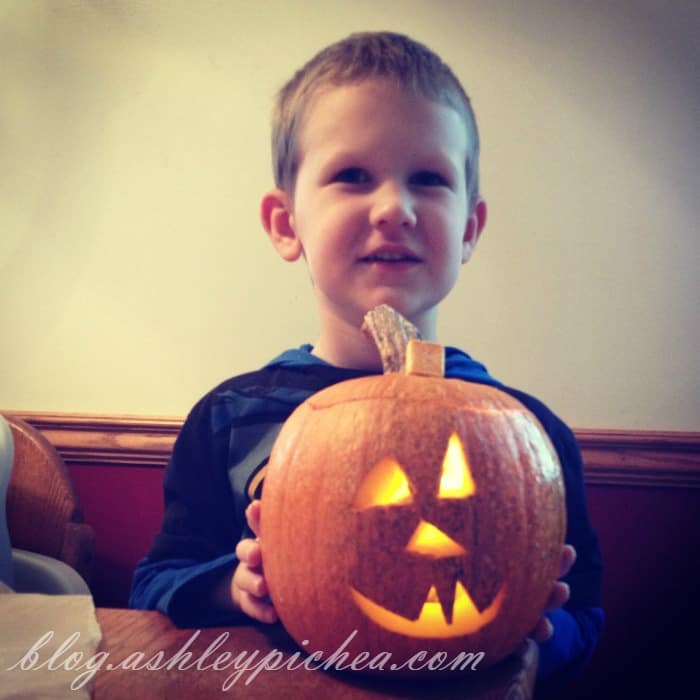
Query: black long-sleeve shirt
x: 211, y: 478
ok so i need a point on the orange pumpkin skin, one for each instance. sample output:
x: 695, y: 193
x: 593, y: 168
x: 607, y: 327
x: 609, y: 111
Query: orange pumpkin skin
x: 321, y: 545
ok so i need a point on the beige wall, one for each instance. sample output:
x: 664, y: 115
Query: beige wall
x: 134, y: 274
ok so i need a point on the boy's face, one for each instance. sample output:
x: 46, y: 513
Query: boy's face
x: 380, y: 207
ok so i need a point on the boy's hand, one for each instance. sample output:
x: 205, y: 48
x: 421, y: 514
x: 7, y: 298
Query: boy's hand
x: 559, y: 595
x: 248, y: 587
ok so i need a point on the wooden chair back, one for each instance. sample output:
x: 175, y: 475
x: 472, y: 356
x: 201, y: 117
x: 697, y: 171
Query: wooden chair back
x: 43, y: 509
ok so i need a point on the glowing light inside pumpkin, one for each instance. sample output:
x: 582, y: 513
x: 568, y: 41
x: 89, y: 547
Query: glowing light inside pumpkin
x: 385, y: 485
x: 431, y: 622
x: 433, y: 542
x: 456, y: 479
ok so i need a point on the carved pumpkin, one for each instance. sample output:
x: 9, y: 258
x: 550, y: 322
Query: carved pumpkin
x: 424, y: 513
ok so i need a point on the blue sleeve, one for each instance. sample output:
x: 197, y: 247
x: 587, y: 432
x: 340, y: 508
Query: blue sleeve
x: 569, y: 649
x: 194, y: 549
x: 181, y: 589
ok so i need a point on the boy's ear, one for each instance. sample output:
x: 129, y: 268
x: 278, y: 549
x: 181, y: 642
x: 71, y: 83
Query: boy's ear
x: 475, y: 225
x: 278, y: 221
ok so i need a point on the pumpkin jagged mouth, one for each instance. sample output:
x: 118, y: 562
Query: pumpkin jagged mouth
x: 431, y: 622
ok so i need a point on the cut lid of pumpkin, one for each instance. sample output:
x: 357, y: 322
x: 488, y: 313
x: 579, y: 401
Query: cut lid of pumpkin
x: 425, y: 359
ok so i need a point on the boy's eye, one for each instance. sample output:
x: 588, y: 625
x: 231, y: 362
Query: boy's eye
x: 428, y: 178
x: 353, y: 176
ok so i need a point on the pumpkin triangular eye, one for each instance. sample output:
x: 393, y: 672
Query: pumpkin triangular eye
x: 385, y: 485
x: 456, y: 477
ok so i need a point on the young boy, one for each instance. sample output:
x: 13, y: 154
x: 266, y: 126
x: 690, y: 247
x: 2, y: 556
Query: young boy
x: 376, y: 166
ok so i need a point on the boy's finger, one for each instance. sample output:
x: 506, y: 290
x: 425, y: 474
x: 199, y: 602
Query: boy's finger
x: 252, y: 515
x: 251, y: 583
x: 558, y: 596
x: 568, y: 557
x: 249, y: 552
x: 258, y: 609
x: 543, y: 630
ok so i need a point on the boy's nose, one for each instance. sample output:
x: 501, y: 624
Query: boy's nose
x: 393, y: 208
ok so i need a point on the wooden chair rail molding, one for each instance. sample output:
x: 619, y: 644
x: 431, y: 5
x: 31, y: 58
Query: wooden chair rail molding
x: 611, y: 457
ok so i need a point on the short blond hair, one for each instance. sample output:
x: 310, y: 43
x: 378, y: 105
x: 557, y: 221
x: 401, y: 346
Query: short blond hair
x: 368, y: 55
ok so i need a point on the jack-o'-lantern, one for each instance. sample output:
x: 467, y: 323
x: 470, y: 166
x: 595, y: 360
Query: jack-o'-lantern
x: 412, y: 513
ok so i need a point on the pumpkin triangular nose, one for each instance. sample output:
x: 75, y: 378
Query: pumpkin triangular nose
x: 433, y: 542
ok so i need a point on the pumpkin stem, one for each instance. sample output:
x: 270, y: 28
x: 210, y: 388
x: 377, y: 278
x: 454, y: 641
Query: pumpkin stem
x: 391, y: 333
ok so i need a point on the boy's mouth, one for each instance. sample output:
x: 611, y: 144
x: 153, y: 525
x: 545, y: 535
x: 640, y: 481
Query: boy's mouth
x: 391, y: 256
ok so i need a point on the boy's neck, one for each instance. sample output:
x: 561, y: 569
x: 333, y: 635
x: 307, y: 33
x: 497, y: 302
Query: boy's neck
x: 352, y: 351
x: 345, y: 345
